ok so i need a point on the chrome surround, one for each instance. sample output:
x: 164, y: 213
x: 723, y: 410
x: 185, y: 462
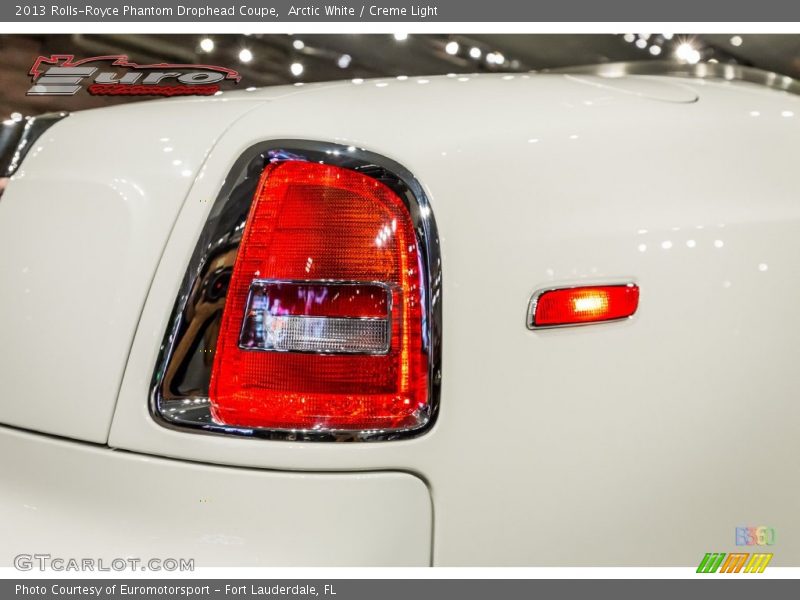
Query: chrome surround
x: 381, y: 284
x: 529, y: 321
x: 183, y: 346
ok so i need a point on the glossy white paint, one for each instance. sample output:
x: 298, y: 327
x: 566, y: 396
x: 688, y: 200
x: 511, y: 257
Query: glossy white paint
x: 74, y: 500
x: 637, y: 443
x: 651, y: 88
x: 82, y: 227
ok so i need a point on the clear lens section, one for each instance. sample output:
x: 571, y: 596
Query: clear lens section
x: 333, y: 335
x: 289, y: 317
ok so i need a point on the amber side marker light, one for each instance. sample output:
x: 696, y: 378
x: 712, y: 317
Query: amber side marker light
x: 582, y: 305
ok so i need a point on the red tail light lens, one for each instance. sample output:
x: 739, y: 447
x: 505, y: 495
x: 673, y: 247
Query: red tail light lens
x: 325, y: 313
x: 578, y: 305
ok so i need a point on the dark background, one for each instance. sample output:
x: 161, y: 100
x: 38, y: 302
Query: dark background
x: 372, y: 55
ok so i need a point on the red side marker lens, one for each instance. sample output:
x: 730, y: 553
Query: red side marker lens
x: 572, y: 306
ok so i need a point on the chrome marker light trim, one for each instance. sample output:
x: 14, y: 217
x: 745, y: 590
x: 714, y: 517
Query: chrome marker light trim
x: 530, y: 321
x: 179, y: 389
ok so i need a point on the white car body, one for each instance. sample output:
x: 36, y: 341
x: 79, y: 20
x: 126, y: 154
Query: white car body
x: 642, y: 442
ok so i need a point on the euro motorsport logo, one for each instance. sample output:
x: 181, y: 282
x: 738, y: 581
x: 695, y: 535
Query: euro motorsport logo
x: 741, y: 562
x: 62, y: 75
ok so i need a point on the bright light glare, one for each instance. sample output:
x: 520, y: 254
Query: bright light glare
x: 206, y: 44
x: 687, y: 53
x: 588, y: 303
x: 451, y: 47
x: 296, y: 68
x: 475, y: 52
x: 401, y: 37
x: 298, y: 44
x: 245, y: 55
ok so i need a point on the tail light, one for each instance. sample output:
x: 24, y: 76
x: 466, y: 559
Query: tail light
x: 583, y: 305
x: 313, y: 311
x: 308, y: 339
